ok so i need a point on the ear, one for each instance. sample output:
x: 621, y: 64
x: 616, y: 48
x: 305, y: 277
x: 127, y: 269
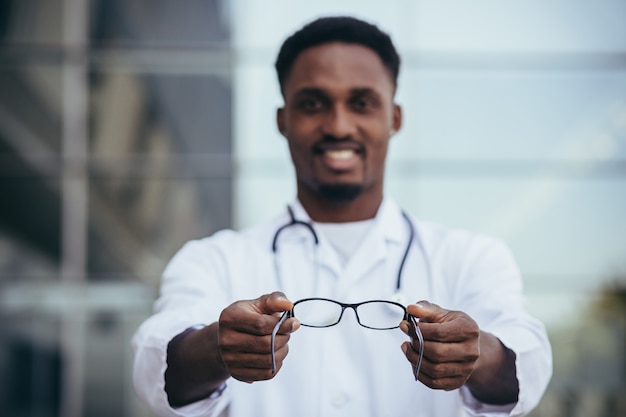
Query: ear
x: 397, y: 118
x: 280, y: 120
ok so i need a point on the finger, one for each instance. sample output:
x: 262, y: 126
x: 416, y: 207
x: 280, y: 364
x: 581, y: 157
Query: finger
x: 289, y: 326
x: 257, y: 316
x: 427, y: 312
x: 409, y: 353
x: 446, y: 384
x: 239, y: 343
x: 241, y: 320
x: 408, y: 328
x: 243, y: 360
x: 413, y: 357
x: 442, y: 370
x: 444, y: 376
x: 460, y: 329
x: 405, y: 327
x: 251, y: 367
x: 451, y: 352
x: 275, y: 302
x: 443, y: 325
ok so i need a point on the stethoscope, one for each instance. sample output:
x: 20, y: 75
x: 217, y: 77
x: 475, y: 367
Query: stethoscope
x: 397, y: 296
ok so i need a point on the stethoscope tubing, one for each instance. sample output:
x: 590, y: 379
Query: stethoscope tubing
x: 398, y: 297
x: 412, y: 236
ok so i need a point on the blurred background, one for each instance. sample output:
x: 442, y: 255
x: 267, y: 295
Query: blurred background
x: 130, y: 127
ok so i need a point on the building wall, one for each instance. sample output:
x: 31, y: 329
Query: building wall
x: 115, y: 149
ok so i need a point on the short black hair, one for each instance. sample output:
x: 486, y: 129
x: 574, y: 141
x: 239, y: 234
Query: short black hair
x: 337, y: 29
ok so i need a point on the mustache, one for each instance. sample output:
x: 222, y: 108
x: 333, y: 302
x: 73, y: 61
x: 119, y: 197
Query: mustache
x: 330, y: 142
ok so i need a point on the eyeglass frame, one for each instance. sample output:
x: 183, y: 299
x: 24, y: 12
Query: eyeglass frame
x: 408, y: 317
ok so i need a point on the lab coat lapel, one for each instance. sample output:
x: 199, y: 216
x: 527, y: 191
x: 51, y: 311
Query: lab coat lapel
x: 388, y: 230
x: 326, y: 256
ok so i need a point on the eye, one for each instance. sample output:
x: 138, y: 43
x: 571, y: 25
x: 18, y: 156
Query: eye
x: 364, y: 103
x: 310, y: 104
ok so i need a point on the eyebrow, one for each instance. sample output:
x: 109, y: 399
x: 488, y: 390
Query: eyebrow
x: 310, y: 91
x: 363, y: 91
x: 319, y: 92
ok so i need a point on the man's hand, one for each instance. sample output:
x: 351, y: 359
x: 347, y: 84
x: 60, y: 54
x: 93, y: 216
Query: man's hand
x: 244, y: 335
x: 451, y: 345
x: 457, y: 352
x: 238, y: 345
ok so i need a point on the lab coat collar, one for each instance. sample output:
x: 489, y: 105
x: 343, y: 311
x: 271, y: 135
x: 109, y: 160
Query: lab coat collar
x: 389, y: 226
x: 388, y: 219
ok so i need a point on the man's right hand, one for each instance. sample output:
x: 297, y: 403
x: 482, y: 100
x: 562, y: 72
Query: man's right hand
x: 244, y: 336
x: 238, y: 345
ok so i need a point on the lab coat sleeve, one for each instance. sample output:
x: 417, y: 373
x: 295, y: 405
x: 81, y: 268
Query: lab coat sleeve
x: 194, y: 273
x: 489, y: 288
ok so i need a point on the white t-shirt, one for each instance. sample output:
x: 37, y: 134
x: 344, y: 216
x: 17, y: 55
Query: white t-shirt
x: 345, y: 237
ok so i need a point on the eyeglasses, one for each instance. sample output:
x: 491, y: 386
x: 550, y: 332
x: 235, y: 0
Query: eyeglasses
x: 373, y: 314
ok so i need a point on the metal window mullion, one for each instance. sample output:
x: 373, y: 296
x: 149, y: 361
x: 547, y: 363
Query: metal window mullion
x: 74, y: 197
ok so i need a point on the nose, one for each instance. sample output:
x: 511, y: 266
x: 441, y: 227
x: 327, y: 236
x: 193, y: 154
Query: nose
x: 339, y: 123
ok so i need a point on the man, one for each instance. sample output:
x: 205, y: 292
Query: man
x: 210, y: 347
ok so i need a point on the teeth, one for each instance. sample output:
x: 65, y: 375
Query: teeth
x: 341, y: 154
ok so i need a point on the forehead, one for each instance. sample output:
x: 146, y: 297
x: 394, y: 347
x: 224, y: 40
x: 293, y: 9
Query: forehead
x: 339, y: 66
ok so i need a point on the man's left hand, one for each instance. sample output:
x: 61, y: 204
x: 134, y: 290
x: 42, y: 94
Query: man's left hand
x: 451, y: 345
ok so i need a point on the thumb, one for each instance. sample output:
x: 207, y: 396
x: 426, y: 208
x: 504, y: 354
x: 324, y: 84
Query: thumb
x: 426, y: 311
x: 275, y: 302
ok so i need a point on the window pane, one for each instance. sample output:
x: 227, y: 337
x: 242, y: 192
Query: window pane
x: 31, y: 22
x: 159, y: 23
x: 136, y: 225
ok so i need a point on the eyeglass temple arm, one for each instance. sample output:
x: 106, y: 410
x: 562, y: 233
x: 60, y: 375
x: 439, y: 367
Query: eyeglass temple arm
x: 282, y: 319
x: 420, y: 338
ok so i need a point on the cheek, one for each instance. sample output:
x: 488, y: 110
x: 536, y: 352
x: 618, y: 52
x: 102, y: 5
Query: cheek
x: 303, y: 125
x: 300, y: 154
x: 380, y: 147
x: 301, y: 136
x: 298, y: 146
x: 377, y: 157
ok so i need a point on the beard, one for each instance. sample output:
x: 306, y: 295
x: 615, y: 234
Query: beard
x: 339, y: 193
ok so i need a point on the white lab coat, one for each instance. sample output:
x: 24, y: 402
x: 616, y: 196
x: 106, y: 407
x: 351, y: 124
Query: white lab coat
x: 345, y: 370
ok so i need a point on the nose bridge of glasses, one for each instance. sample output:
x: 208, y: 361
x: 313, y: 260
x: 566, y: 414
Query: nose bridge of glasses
x: 352, y: 307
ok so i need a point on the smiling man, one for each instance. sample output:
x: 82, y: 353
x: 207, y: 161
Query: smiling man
x: 337, y: 267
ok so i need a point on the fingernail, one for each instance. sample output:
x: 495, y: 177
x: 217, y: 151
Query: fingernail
x: 295, y: 325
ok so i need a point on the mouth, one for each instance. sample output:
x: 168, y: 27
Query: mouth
x: 340, y: 154
x: 340, y: 157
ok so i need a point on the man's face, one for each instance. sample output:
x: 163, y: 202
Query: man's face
x: 338, y: 117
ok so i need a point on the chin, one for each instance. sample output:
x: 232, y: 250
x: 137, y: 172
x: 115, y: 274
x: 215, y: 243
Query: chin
x: 340, y: 193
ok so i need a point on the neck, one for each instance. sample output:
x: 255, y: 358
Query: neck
x: 363, y: 207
